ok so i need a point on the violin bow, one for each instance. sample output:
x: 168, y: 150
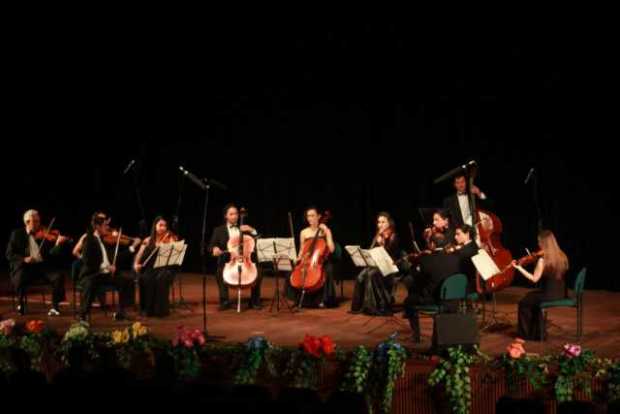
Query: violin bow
x: 118, y: 242
x: 47, y: 232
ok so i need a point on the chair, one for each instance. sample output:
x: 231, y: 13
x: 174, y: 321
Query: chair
x: 40, y: 285
x: 101, y: 292
x: 452, y: 288
x: 575, y: 302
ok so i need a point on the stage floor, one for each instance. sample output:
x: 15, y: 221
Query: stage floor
x: 601, y: 320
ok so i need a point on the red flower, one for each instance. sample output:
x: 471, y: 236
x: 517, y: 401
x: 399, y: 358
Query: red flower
x: 312, y: 345
x: 35, y: 327
x: 329, y: 346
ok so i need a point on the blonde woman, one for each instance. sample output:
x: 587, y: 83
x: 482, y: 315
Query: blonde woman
x: 551, y: 269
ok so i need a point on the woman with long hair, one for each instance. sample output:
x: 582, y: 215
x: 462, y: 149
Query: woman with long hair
x: 551, y: 268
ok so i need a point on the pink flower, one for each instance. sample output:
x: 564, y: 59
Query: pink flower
x: 6, y: 326
x: 516, y: 349
x: 572, y: 351
x: 188, y: 343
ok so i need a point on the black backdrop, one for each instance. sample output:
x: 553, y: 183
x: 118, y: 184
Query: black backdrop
x: 351, y: 117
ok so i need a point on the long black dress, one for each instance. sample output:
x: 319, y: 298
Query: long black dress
x: 155, y: 286
x: 530, y: 316
x: 372, y: 293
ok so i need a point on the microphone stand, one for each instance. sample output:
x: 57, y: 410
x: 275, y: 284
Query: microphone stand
x: 175, y: 227
x: 205, y: 185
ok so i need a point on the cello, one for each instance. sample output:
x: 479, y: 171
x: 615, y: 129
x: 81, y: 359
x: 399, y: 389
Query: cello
x: 240, y: 271
x: 309, y: 274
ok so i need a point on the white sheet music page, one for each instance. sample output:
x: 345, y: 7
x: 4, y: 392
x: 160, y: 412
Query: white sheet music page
x: 485, y: 265
x: 383, y: 261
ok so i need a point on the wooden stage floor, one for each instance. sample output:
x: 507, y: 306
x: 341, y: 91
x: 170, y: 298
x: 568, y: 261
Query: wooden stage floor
x: 601, y: 320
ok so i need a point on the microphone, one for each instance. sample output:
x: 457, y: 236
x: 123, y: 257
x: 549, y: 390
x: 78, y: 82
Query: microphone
x: 529, y: 175
x: 131, y: 163
x: 193, y: 178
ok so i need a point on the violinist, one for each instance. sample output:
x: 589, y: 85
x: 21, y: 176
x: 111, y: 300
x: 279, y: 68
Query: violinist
x: 441, y: 224
x: 373, y: 292
x: 466, y: 248
x: 155, y: 283
x: 428, y: 276
x: 458, y: 203
x: 325, y: 296
x: 218, y: 248
x: 127, y: 247
x: 28, y: 252
x: 551, y: 267
x: 99, y: 268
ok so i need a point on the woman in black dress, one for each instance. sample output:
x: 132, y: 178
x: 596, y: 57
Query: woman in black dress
x: 551, y: 269
x: 373, y: 291
x: 325, y: 297
x: 155, y: 283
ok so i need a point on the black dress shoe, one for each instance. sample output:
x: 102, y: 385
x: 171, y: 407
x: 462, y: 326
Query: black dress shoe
x: 256, y: 306
x: 21, y: 310
x: 224, y: 306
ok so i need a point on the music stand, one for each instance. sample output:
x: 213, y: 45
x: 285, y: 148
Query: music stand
x: 379, y: 258
x: 281, y: 253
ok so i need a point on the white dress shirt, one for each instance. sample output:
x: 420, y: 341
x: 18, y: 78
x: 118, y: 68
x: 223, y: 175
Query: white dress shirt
x: 464, y: 205
x: 105, y: 263
x: 33, y: 247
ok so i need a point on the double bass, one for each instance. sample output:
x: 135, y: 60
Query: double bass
x: 240, y: 271
x: 309, y: 273
x: 488, y: 233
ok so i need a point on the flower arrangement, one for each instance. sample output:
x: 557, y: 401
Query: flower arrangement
x: 575, y: 370
x: 518, y: 364
x: 453, y: 372
x: 131, y: 342
x: 78, y: 337
x: 387, y: 366
x: 256, y: 349
x: 185, y: 348
x: 305, y: 363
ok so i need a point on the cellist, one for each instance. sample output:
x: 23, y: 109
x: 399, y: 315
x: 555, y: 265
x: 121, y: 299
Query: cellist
x: 324, y: 297
x: 218, y: 248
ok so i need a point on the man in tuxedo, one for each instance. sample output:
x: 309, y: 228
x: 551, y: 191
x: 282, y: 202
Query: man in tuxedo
x: 99, y: 270
x: 218, y: 248
x: 458, y: 203
x: 29, y: 261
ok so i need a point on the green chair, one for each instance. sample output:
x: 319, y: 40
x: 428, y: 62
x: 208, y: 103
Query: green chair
x: 576, y: 302
x: 452, y: 288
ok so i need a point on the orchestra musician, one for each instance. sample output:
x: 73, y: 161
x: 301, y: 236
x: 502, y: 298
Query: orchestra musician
x: 99, y: 268
x: 458, y: 203
x: 28, y: 254
x: 155, y: 283
x: 325, y: 296
x: 372, y: 293
x: 218, y: 247
x: 551, y: 269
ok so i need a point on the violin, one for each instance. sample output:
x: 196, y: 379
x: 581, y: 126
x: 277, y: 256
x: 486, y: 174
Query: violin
x: 112, y: 238
x: 167, y: 237
x: 309, y: 274
x: 50, y: 235
x: 240, y: 271
x: 382, y: 237
x: 530, y: 258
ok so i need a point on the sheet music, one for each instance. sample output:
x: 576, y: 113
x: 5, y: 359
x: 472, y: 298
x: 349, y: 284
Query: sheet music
x: 170, y: 254
x: 284, y: 252
x: 377, y: 257
x: 485, y: 265
x: 358, y: 255
x: 383, y: 261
